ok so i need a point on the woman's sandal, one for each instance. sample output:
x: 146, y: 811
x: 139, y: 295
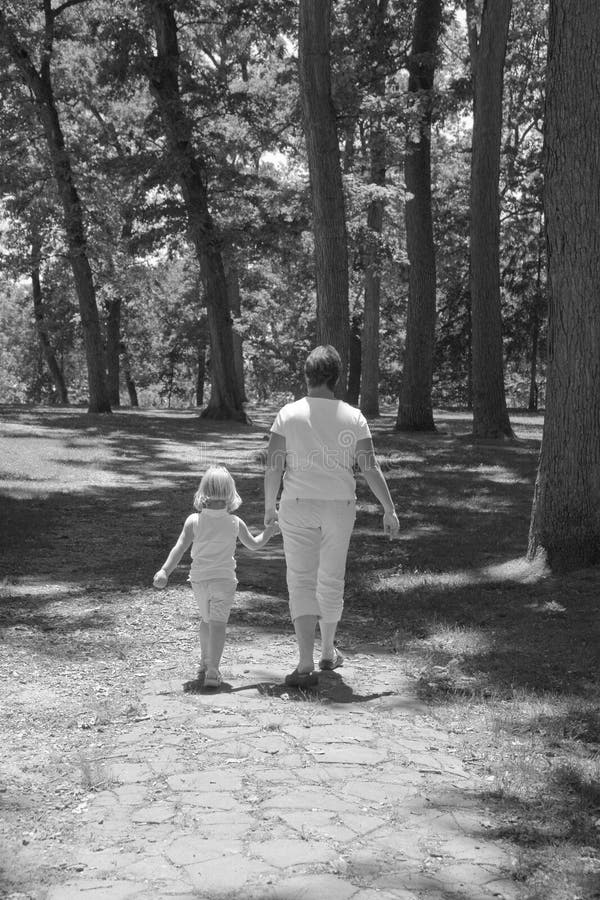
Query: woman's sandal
x: 335, y: 663
x: 301, y: 680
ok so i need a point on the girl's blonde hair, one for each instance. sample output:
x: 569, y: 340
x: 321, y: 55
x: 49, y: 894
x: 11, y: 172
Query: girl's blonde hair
x: 217, y: 484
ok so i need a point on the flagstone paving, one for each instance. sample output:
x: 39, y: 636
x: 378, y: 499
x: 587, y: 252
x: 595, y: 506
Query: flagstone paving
x: 262, y: 792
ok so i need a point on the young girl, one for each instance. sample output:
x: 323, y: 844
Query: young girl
x: 212, y: 533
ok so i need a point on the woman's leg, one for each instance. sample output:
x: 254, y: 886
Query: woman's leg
x: 301, y: 542
x: 337, y: 522
x: 328, y: 630
x: 305, y: 627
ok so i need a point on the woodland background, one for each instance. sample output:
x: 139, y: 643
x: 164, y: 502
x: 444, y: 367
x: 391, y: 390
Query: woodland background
x: 239, y: 83
x: 193, y: 195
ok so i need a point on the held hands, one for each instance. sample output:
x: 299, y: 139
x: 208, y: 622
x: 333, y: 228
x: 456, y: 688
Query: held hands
x: 270, y: 530
x: 160, y: 579
x: 391, y: 525
x: 271, y: 517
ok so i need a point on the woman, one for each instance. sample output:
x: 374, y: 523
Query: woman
x: 317, y: 441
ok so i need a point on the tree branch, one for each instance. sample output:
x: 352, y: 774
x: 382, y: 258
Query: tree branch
x: 66, y: 4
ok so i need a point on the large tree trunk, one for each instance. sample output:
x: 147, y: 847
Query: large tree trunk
x: 415, y: 409
x: 565, y: 522
x: 40, y: 85
x: 113, y: 346
x: 369, y: 389
x: 40, y: 323
x: 488, y: 50
x: 329, y: 220
x: 226, y: 399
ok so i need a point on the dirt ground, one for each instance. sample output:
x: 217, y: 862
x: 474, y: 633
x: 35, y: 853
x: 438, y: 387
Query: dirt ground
x: 90, y: 507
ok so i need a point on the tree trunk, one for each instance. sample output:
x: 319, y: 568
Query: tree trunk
x: 130, y: 383
x: 201, y: 376
x: 533, y: 388
x: 488, y: 50
x: 329, y: 219
x: 38, y: 310
x: 113, y: 346
x: 415, y: 409
x: 225, y: 400
x: 565, y: 522
x: 40, y: 85
x: 354, y: 362
x: 235, y: 304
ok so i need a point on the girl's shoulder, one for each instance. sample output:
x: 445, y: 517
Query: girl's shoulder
x: 192, y: 521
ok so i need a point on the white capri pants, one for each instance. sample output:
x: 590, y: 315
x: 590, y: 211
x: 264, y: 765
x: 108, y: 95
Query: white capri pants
x: 316, y: 535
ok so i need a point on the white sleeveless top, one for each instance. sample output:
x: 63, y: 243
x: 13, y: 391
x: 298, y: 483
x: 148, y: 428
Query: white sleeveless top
x: 213, y: 548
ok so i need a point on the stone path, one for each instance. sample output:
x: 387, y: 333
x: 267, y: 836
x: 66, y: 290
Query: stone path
x: 263, y: 792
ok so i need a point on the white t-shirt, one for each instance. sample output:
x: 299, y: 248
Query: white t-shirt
x: 320, y: 444
x: 215, y: 536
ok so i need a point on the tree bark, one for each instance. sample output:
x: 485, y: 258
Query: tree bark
x: 415, y: 409
x: 354, y: 361
x: 329, y: 219
x: 38, y: 310
x: 565, y: 522
x: 225, y: 400
x: 201, y: 374
x: 488, y: 50
x: 129, y: 382
x: 235, y: 304
x: 40, y: 85
x: 113, y: 344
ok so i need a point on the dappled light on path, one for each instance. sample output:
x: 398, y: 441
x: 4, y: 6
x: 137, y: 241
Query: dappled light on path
x: 451, y: 639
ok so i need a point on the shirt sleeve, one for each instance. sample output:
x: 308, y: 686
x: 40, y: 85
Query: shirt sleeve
x: 278, y: 426
x: 362, y: 427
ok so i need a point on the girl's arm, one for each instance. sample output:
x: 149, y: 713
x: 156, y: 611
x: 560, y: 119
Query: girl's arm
x: 258, y: 542
x: 365, y: 457
x: 273, y: 473
x: 184, y: 541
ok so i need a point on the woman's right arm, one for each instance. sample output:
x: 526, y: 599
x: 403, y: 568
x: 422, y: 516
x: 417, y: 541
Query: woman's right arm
x: 368, y: 465
x: 274, y: 467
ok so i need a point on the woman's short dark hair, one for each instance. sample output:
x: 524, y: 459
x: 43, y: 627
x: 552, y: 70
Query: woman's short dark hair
x: 323, y: 366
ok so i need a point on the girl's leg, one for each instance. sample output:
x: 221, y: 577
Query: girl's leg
x: 216, y: 643
x: 221, y: 596
x: 204, y: 645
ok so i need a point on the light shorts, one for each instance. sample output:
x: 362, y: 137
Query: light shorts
x: 215, y: 598
x: 316, y: 535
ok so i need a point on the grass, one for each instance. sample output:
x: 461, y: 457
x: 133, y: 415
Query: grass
x: 505, y: 654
